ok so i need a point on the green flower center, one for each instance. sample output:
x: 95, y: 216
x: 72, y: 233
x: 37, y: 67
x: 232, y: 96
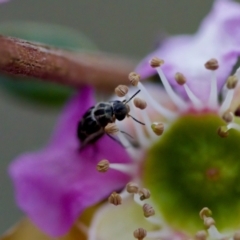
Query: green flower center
x: 191, y: 167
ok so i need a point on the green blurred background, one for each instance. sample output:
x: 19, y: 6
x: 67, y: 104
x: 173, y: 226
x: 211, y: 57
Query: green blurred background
x: 127, y: 27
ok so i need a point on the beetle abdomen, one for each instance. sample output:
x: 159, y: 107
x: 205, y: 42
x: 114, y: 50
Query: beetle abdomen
x: 103, y: 114
x: 88, y: 126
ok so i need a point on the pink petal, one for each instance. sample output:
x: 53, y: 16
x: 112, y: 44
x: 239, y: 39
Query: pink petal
x: 218, y: 37
x: 55, y: 185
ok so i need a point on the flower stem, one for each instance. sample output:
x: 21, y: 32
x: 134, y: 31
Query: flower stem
x: 23, y: 58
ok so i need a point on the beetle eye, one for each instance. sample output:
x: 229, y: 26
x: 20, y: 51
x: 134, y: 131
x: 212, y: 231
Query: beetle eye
x: 120, y: 116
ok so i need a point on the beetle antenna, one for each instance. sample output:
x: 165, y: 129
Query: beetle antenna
x: 125, y: 102
x: 136, y: 120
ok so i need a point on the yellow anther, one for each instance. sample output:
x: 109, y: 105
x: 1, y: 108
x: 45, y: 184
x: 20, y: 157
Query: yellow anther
x: 156, y: 62
x: 228, y: 117
x: 205, y: 212
x: 115, y: 199
x: 180, y: 78
x: 103, y: 166
x: 121, y: 90
x: 139, y: 103
x: 232, y: 82
x: 132, y: 187
x: 157, y: 128
x: 148, y: 210
x: 223, y: 131
x: 134, y: 78
x: 140, y: 233
x: 144, y: 194
x: 212, y: 64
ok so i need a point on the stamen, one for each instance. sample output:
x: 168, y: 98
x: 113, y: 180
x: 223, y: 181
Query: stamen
x: 148, y: 210
x: 201, y: 235
x: 139, y: 130
x: 144, y: 194
x: 205, y: 212
x: 231, y: 84
x: 210, y: 223
x: 115, y: 199
x: 103, y: 166
x: 212, y: 64
x: 157, y: 128
x: 228, y: 117
x: 132, y: 187
x: 140, y: 233
x: 134, y: 79
x: 223, y: 131
x: 139, y: 103
x: 181, y: 80
x: 121, y: 90
x: 148, y: 124
x: 156, y: 63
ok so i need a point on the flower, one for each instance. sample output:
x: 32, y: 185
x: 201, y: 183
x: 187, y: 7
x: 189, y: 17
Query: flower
x: 54, y: 185
x: 179, y: 158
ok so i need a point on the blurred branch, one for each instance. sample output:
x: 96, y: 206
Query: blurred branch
x: 23, y: 58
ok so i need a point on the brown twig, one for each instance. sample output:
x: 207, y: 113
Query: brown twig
x: 23, y: 58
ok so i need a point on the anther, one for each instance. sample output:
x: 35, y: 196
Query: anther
x: 156, y: 62
x: 121, y: 90
x: 212, y: 64
x: 208, y: 222
x: 232, y: 82
x: 201, y: 235
x: 237, y: 112
x: 140, y: 233
x: 134, y: 78
x: 180, y: 78
x: 148, y: 210
x: 115, y: 199
x: 144, y: 194
x: 223, y: 131
x: 111, y: 128
x: 139, y: 103
x: 228, y: 117
x: 132, y: 187
x: 103, y: 166
x: 236, y: 235
x: 205, y: 212
x: 157, y: 128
